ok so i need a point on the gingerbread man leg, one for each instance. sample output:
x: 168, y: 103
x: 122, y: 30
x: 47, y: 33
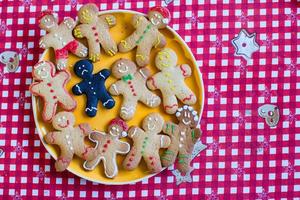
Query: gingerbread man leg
x: 132, y: 159
x: 142, y: 54
x: 184, y: 161
x: 150, y: 99
x: 153, y: 162
x: 128, y: 109
x: 186, y: 96
x: 110, y: 166
x: 107, y: 101
x: 67, y: 102
x: 81, y: 50
x: 94, y: 51
x: 91, y: 106
x: 170, y: 103
x: 64, y: 160
x: 92, y: 163
x: 169, y: 156
x: 109, y: 46
x: 49, y: 110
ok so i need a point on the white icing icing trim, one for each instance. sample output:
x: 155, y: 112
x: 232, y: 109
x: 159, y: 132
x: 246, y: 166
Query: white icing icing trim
x: 142, y: 73
x: 90, y: 109
x: 178, y: 114
x: 101, y: 75
x: 165, y: 20
x: 161, y: 141
x: 124, y: 134
x: 127, y: 110
x: 78, y: 89
x: 115, y: 88
x: 109, y: 100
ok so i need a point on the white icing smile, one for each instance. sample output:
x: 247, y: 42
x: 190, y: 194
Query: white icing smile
x: 122, y: 68
x: 186, y: 122
x: 154, y: 21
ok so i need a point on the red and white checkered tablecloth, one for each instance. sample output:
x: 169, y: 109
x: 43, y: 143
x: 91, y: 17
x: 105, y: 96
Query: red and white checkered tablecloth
x: 245, y: 158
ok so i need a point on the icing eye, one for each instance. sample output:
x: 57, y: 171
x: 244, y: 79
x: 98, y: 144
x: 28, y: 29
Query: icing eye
x: 150, y: 118
x: 79, y: 67
x: 270, y: 113
x: 188, y: 115
x: 155, y: 119
x: 59, y: 119
x: 159, y: 17
x: 156, y: 15
x: 117, y: 129
x: 83, y: 66
x: 113, y: 128
x: 64, y: 117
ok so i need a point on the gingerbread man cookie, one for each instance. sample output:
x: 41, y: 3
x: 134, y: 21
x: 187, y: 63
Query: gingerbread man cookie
x: 51, y: 87
x: 70, y: 139
x: 96, y: 30
x: 183, y: 138
x: 60, y: 38
x: 132, y: 87
x: 146, y: 35
x: 170, y: 81
x: 146, y: 144
x: 108, y: 146
x: 93, y: 86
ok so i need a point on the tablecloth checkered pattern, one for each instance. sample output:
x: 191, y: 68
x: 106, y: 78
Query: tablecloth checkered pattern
x: 245, y: 158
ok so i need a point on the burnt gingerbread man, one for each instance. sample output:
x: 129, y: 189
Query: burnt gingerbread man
x: 132, y: 87
x: 146, y: 144
x: 51, y: 87
x: 60, y: 38
x: 108, y: 145
x: 147, y: 35
x: 70, y: 139
x: 183, y: 136
x: 96, y: 30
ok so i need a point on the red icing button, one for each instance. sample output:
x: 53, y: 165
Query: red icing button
x: 150, y: 158
x: 132, y: 154
x: 129, y: 82
x: 152, y: 163
x: 103, y: 151
x: 134, y: 94
x: 105, y: 146
x: 52, y: 91
x: 128, y: 164
x: 54, y: 97
x: 49, y: 84
x: 97, y: 40
x: 108, y: 141
x: 130, y: 159
x: 131, y: 86
x: 96, y: 34
x: 94, y: 27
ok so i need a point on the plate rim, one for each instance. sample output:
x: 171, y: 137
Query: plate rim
x: 34, y: 105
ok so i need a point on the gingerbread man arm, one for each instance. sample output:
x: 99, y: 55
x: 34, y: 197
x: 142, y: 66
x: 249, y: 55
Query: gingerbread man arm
x: 114, y: 89
x: 152, y: 83
x: 196, y: 134
x: 185, y: 70
x: 96, y: 136
x: 138, y: 19
x: 110, y: 20
x: 160, y: 41
x: 79, y: 88
x: 104, y: 74
x: 81, y: 30
x: 85, y: 128
x: 35, y: 88
x: 134, y: 131
x: 51, y: 137
x: 44, y: 43
x: 144, y: 73
x: 69, y: 23
x: 62, y: 76
x: 123, y: 147
x: 164, y: 140
x: 170, y: 128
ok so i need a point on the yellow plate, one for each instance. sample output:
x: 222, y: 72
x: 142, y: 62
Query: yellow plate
x: 100, y: 121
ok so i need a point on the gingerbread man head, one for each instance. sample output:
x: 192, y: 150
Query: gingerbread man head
x: 159, y: 16
x: 63, y: 120
x: 166, y: 58
x: 88, y: 13
x: 117, y: 127
x: 83, y: 69
x: 47, y: 21
x: 188, y: 116
x: 43, y: 70
x: 123, y: 67
x: 153, y: 122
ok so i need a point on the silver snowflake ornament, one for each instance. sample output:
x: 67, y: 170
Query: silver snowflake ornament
x: 245, y: 44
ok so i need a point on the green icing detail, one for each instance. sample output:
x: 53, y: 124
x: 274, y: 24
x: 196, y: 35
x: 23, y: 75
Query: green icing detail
x: 165, y: 158
x: 172, y: 127
x: 182, y: 156
x: 127, y: 77
x: 142, y: 36
x: 169, y: 152
x: 193, y: 134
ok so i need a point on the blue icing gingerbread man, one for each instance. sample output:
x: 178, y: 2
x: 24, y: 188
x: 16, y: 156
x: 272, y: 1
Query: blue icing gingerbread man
x: 93, y: 86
